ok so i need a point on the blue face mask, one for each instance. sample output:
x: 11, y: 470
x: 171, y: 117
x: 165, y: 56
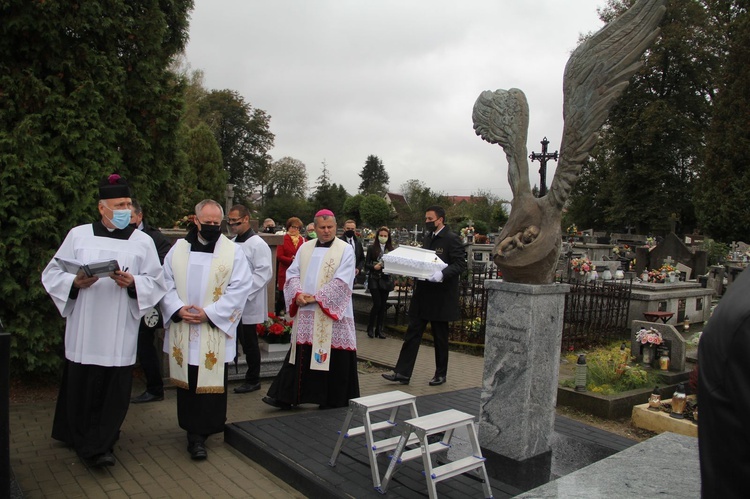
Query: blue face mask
x: 120, y: 218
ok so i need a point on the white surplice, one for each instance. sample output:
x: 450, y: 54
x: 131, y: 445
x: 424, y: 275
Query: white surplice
x: 334, y: 298
x: 260, y: 260
x: 223, y: 313
x: 102, y: 322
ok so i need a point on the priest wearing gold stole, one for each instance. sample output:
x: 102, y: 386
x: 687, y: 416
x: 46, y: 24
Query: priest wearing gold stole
x: 102, y: 317
x: 208, y: 281
x: 321, y: 366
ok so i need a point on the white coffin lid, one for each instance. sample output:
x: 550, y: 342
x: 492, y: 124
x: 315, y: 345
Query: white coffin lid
x: 412, y: 262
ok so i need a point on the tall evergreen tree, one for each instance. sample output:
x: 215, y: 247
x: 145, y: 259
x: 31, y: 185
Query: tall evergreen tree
x: 650, y: 150
x: 374, y: 177
x: 204, y: 159
x: 723, y: 190
x: 85, y: 92
x: 328, y: 195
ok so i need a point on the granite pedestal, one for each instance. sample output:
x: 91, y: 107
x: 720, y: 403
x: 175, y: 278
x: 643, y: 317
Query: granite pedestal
x: 521, y: 367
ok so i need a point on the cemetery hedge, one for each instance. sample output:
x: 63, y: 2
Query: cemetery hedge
x: 84, y: 92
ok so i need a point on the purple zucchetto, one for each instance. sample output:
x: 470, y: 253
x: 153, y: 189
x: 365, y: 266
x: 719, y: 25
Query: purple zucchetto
x: 113, y: 187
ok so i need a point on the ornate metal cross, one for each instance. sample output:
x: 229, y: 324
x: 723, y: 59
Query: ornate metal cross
x: 543, y: 157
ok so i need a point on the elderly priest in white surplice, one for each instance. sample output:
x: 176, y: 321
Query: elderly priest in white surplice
x: 208, y: 281
x: 102, y: 316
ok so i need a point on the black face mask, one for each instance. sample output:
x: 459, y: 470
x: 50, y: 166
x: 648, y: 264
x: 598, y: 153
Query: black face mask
x: 349, y: 233
x: 430, y: 226
x: 210, y: 233
x: 269, y: 230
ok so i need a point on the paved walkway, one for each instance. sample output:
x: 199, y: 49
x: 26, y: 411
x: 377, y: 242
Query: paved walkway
x: 151, y: 453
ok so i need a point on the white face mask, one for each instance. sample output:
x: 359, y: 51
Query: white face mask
x: 383, y: 239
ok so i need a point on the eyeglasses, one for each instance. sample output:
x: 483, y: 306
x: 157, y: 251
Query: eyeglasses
x: 233, y: 220
x: 295, y: 227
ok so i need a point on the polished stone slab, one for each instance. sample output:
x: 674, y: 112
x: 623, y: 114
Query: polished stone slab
x: 664, y: 466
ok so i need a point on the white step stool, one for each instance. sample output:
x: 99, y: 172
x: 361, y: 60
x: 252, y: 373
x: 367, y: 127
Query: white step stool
x: 423, y: 427
x: 365, y: 406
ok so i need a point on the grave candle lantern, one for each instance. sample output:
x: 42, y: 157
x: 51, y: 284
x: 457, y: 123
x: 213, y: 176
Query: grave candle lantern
x: 581, y: 373
x: 654, y: 401
x: 678, y: 402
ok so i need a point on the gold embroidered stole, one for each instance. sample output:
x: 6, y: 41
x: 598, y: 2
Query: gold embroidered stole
x: 212, y: 340
x: 323, y: 324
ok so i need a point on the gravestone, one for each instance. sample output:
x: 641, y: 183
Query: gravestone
x: 671, y: 248
x: 677, y: 345
x: 684, y: 269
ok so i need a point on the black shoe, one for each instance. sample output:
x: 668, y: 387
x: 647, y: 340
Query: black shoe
x: 197, y: 451
x: 146, y: 397
x: 397, y: 377
x: 437, y: 380
x: 247, y: 388
x: 276, y: 403
x: 370, y: 334
x: 106, y: 459
x: 381, y: 335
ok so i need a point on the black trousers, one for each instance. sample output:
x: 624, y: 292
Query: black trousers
x: 248, y: 337
x: 91, y: 407
x: 413, y: 338
x: 149, y: 359
x: 379, y: 307
x: 201, y: 414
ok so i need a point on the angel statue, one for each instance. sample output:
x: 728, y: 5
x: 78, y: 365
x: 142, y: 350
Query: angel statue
x: 596, y: 75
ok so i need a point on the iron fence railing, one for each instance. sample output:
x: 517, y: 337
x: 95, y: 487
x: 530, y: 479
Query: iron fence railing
x: 596, y: 312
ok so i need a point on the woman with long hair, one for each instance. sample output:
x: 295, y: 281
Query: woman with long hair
x: 285, y: 255
x: 378, y: 283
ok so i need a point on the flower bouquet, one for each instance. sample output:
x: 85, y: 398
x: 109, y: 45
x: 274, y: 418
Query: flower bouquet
x: 660, y: 274
x: 649, y: 336
x: 275, y: 329
x: 580, y: 265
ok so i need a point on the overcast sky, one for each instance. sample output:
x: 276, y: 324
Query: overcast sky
x: 343, y: 79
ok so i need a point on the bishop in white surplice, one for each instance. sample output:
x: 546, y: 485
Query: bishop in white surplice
x: 321, y: 367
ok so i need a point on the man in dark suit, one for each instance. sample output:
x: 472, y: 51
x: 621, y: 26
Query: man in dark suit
x: 724, y: 394
x: 434, y: 301
x: 146, y: 351
x: 350, y: 237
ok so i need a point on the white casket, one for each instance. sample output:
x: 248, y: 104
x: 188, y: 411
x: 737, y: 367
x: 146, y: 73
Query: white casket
x: 412, y: 262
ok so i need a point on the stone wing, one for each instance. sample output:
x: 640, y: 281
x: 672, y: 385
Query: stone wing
x: 595, y: 76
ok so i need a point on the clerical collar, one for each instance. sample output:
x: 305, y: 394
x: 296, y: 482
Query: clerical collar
x: 321, y: 244
x: 102, y: 230
x: 241, y: 238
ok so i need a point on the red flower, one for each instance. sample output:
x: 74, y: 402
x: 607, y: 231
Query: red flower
x: 271, y: 315
x: 260, y: 329
x: 276, y: 329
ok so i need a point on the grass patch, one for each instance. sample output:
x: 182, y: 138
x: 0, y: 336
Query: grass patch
x: 611, y: 371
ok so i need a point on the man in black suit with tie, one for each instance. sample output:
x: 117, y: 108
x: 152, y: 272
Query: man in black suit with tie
x: 350, y: 237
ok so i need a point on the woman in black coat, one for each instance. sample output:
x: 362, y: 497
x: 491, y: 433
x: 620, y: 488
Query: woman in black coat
x: 378, y: 283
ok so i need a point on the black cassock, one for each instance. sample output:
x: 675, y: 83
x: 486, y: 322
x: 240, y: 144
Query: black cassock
x: 724, y: 395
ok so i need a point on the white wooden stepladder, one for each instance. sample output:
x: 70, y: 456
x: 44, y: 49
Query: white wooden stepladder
x: 423, y: 427
x: 365, y: 406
